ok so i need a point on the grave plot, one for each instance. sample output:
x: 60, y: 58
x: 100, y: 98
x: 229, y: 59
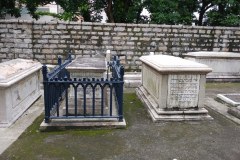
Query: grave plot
x: 173, y: 88
x: 96, y: 97
x: 83, y: 91
x: 219, y: 62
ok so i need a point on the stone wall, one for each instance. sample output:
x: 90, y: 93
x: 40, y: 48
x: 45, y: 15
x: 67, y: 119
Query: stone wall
x: 16, y: 40
x: 45, y: 41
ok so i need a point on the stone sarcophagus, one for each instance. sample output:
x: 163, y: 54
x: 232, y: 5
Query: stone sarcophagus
x: 225, y: 65
x: 19, y: 88
x: 87, y: 68
x: 173, y: 88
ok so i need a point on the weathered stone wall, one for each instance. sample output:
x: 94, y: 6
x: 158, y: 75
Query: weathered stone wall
x: 16, y: 40
x: 44, y: 42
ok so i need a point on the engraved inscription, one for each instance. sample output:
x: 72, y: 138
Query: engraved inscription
x: 183, y: 90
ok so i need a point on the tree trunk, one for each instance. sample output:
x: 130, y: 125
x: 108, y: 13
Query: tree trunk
x: 109, y: 11
x: 200, y: 19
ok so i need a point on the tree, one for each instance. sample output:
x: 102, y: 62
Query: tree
x: 171, y: 12
x: 71, y: 8
x: 117, y: 11
x: 123, y: 11
x: 11, y: 7
x: 203, y: 7
x: 211, y: 12
x: 224, y: 13
x: 219, y: 12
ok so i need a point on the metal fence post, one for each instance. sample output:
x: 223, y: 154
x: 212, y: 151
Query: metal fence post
x: 46, y: 93
x: 120, y: 110
x: 59, y: 61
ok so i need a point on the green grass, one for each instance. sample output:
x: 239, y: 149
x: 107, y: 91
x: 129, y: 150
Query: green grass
x: 222, y: 85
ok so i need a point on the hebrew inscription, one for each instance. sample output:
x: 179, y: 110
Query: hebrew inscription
x: 183, y: 91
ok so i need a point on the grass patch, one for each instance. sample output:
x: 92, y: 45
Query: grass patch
x: 133, y: 108
x: 222, y: 85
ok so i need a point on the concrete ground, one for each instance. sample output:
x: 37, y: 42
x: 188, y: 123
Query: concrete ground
x: 218, y: 139
x: 11, y: 134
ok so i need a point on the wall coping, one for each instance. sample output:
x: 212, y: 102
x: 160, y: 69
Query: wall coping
x: 119, y: 24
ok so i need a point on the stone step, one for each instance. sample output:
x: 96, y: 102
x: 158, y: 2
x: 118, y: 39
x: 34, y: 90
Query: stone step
x: 132, y: 83
x: 158, y: 114
x: 133, y: 76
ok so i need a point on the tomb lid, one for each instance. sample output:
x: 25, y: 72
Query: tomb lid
x: 212, y: 54
x: 164, y: 63
x: 89, y: 63
x: 16, y: 69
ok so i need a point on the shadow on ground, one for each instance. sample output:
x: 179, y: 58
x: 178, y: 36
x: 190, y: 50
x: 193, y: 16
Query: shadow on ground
x: 142, y: 139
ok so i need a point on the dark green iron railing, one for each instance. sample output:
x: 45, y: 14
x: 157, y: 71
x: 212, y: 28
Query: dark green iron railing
x: 90, y: 97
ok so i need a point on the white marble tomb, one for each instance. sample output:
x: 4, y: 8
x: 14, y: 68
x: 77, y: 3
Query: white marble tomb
x: 225, y: 65
x: 19, y: 88
x: 173, y: 88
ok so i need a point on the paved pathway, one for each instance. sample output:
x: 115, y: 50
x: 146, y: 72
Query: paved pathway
x: 11, y: 134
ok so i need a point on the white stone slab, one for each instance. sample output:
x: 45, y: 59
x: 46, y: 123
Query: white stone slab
x: 183, y: 91
x: 212, y: 54
x: 225, y: 98
x: 88, y: 66
x: 164, y: 63
x: 19, y: 88
x: 220, y: 62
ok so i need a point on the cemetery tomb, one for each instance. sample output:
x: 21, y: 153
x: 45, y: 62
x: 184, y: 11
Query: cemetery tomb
x: 88, y: 68
x: 19, y: 88
x: 225, y: 65
x: 173, y: 88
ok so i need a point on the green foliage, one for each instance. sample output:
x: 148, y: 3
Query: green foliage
x: 123, y: 11
x: 171, y: 12
x: 10, y: 7
x: 211, y: 12
x: 224, y: 13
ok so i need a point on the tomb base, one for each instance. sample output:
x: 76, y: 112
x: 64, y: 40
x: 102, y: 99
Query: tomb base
x: 63, y: 124
x: 157, y: 114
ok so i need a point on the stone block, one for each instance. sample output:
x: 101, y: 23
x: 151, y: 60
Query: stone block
x: 19, y: 88
x: 61, y: 26
x: 27, y: 40
x: 47, y: 36
x: 22, y: 45
x: 65, y: 36
x: 77, y: 27
x: 136, y: 29
x: 146, y: 29
x: 173, y: 86
x: 119, y: 29
x: 219, y: 62
x: 86, y: 27
x: 98, y: 28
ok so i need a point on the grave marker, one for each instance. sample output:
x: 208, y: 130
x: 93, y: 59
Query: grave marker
x: 173, y: 88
